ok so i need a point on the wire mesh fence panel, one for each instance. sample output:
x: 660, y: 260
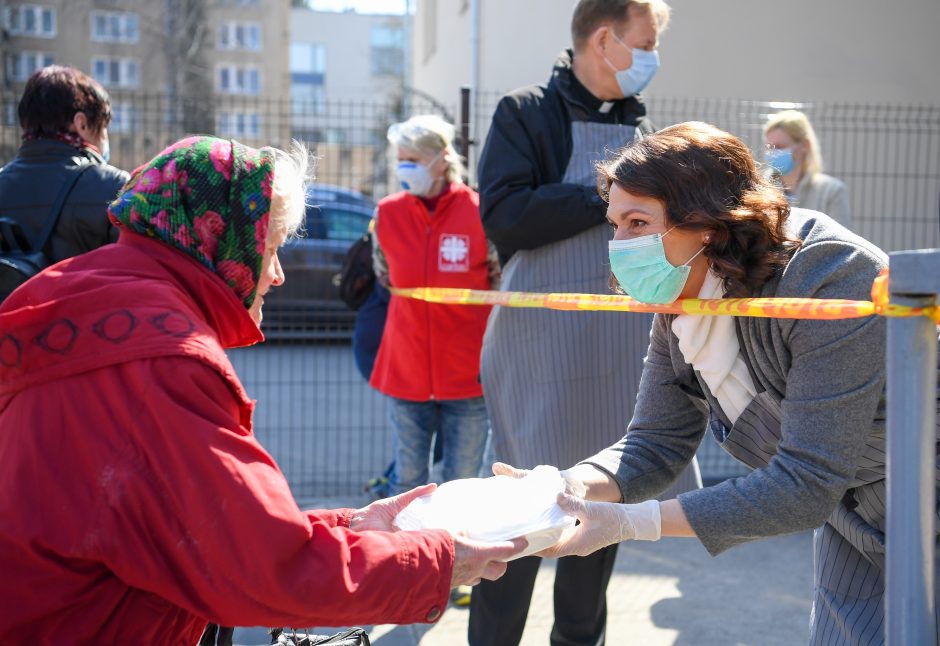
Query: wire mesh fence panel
x: 316, y: 414
x: 888, y: 155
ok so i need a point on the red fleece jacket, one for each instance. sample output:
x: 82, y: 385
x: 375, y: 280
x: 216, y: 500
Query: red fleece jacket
x: 135, y: 502
x: 429, y: 350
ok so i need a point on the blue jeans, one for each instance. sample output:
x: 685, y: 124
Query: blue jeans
x: 464, y: 425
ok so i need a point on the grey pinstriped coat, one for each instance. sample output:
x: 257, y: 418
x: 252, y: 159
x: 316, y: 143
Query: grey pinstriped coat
x: 817, y: 431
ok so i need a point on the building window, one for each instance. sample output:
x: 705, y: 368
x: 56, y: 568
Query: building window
x: 20, y: 65
x: 10, y: 117
x: 307, y: 98
x: 430, y: 28
x: 30, y: 20
x: 240, y: 3
x: 240, y: 35
x: 387, y: 50
x: 307, y: 58
x: 114, y: 27
x: 233, y: 79
x: 124, y: 118
x: 307, y: 78
x: 116, y: 72
x: 238, y: 124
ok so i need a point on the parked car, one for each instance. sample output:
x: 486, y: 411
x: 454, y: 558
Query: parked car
x: 307, y: 305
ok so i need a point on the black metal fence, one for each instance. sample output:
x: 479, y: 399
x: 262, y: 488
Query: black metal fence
x: 327, y: 429
x: 888, y: 155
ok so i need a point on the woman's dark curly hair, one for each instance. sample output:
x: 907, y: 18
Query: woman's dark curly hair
x: 707, y: 180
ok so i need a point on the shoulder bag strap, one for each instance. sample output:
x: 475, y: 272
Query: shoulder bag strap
x: 53, y: 218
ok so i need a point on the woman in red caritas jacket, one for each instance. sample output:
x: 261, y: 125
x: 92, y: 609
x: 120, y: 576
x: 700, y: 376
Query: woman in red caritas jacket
x: 135, y: 502
x: 430, y: 235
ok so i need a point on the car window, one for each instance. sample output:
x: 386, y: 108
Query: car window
x: 343, y: 224
x: 334, y: 222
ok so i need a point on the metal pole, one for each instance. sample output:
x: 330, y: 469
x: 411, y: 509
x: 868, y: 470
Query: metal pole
x: 475, y: 87
x: 911, y: 408
x: 465, y: 122
x: 408, y: 76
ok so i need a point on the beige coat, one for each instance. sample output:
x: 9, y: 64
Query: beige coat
x: 824, y: 193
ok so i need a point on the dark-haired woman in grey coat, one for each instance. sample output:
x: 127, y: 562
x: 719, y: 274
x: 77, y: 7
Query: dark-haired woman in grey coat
x: 801, y: 402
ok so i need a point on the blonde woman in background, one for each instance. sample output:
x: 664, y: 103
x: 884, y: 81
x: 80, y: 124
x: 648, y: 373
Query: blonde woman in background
x: 794, y: 157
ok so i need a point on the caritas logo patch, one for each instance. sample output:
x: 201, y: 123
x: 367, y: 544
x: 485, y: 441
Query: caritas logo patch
x: 454, y: 252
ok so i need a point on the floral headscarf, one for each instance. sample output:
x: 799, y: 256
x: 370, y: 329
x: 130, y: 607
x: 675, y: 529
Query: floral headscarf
x: 210, y: 198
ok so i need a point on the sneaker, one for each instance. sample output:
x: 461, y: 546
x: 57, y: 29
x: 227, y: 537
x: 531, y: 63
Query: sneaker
x: 380, y: 486
x: 460, y: 596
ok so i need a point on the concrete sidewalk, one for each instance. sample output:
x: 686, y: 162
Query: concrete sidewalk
x: 665, y: 593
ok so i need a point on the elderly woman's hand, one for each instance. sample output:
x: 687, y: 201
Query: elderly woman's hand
x: 379, y: 515
x: 604, y: 523
x: 474, y: 561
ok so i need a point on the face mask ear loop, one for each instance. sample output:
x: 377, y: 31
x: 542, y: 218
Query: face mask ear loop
x: 623, y: 44
x: 697, y: 253
x: 665, y: 233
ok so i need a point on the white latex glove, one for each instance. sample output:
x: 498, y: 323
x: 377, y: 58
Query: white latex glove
x: 604, y: 523
x: 573, y: 485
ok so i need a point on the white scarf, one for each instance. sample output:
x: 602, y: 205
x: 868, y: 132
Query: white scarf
x: 710, y: 344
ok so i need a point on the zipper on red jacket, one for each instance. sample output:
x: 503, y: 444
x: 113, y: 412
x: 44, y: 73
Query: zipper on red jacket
x: 427, y: 306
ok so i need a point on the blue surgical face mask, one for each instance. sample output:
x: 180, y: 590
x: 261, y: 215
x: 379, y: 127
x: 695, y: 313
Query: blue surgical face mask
x: 106, y: 151
x: 416, y: 178
x: 644, y: 273
x: 636, y: 77
x: 781, y: 160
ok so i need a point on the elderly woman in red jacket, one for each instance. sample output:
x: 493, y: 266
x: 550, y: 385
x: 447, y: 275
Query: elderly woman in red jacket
x: 430, y: 235
x: 136, y: 502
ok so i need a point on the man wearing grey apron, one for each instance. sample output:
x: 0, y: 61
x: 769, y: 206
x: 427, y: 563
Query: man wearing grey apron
x: 561, y: 385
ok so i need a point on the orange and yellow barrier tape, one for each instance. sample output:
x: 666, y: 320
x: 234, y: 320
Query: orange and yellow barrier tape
x: 785, y: 308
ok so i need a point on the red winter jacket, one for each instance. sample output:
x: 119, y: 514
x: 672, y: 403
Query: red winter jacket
x: 135, y: 502
x: 432, y: 351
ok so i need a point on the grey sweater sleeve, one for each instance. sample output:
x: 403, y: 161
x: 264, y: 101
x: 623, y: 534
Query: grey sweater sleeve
x: 665, y: 431
x: 834, y: 374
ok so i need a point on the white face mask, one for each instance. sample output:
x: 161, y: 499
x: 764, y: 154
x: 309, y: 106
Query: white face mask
x: 636, y: 77
x: 416, y: 178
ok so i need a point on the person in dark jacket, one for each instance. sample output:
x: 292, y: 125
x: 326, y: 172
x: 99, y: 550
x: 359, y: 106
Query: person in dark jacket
x: 64, y: 116
x: 559, y: 385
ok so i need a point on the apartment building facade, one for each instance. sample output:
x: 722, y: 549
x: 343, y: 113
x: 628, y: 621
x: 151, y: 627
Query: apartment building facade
x: 171, y: 66
x: 347, y: 74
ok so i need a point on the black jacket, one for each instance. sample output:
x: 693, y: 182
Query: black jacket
x: 30, y: 183
x: 523, y: 202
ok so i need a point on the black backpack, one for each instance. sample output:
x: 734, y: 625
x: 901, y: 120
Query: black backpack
x: 356, y: 276
x: 20, y: 260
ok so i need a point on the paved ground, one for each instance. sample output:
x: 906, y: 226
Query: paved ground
x: 327, y: 431
x: 666, y: 593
